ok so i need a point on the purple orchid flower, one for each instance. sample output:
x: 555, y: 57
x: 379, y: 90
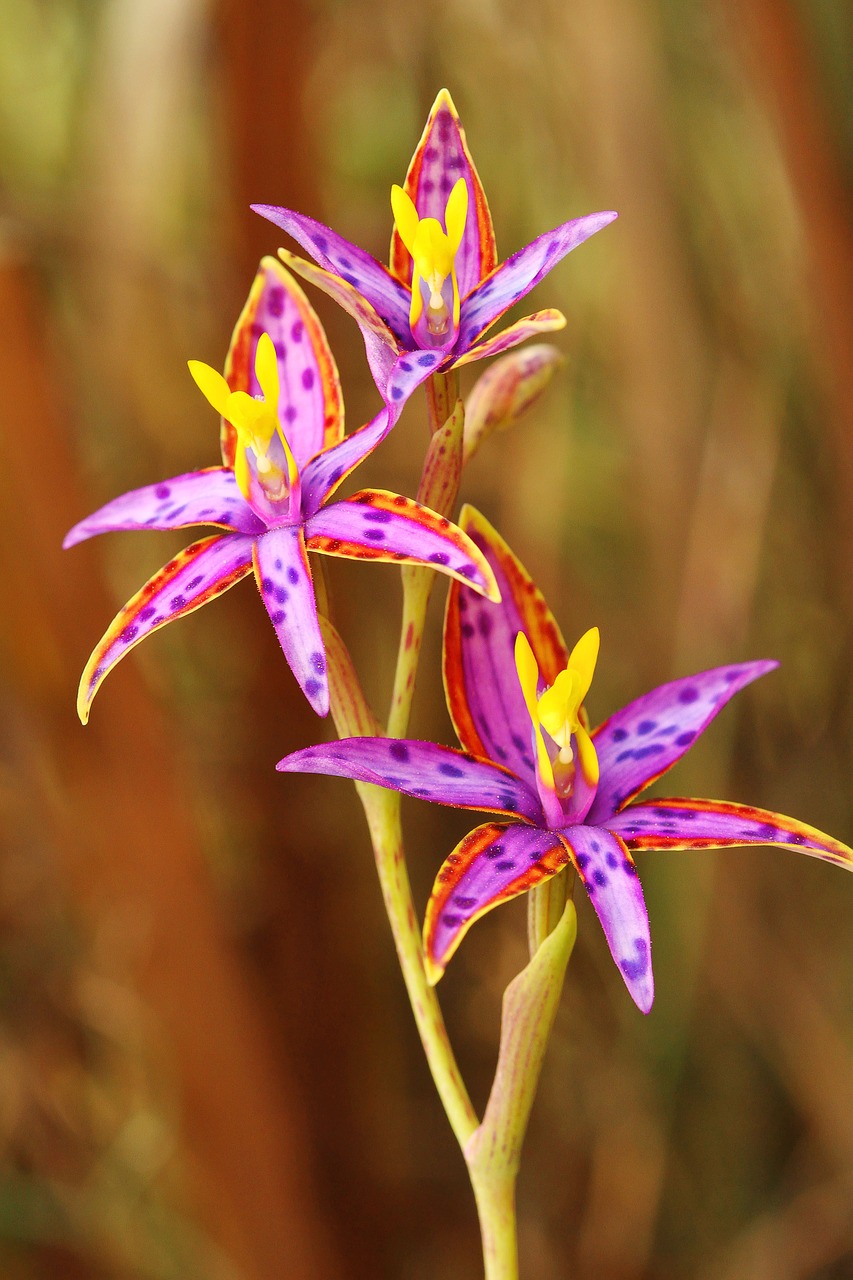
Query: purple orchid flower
x: 516, y: 697
x: 444, y: 289
x: 284, y: 455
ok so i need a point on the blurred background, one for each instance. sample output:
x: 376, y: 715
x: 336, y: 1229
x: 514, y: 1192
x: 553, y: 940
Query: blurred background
x: 208, y: 1070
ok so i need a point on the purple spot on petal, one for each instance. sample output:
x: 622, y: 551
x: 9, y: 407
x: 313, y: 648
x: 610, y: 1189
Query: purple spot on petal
x: 624, y: 755
x: 297, y: 331
x: 290, y: 413
x: 275, y: 301
x: 318, y: 662
x: 653, y: 749
x: 377, y: 517
x: 162, y: 491
x: 582, y: 860
x: 375, y: 535
x: 600, y: 878
x: 397, y: 393
x: 684, y: 739
x: 312, y: 687
x: 177, y: 602
x: 292, y: 576
x: 467, y: 630
x: 485, y: 624
x: 690, y: 694
x: 267, y: 586
x: 280, y: 595
x: 466, y: 903
x: 191, y: 586
x: 278, y: 617
x: 506, y: 865
x: 307, y: 379
x: 646, y: 726
x: 147, y: 612
x: 451, y: 771
x: 426, y: 360
x: 619, y: 735
x: 399, y: 751
x: 130, y: 633
x: 439, y: 557
x: 633, y: 969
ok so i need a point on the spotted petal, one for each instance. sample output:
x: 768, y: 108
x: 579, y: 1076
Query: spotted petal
x: 494, y: 863
x: 310, y: 404
x: 608, y: 872
x: 547, y: 321
x: 440, y: 160
x: 480, y: 679
x: 421, y: 769
x: 376, y: 525
x: 285, y: 583
x: 199, y: 497
x: 324, y: 473
x: 196, y: 575
x: 640, y: 742
x: 719, y: 824
x: 389, y: 299
x: 514, y: 279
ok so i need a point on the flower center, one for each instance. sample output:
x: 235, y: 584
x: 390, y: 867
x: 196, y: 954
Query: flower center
x: 434, y: 313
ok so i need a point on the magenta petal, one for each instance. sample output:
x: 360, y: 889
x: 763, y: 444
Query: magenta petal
x: 718, y: 824
x: 644, y: 739
x: 323, y: 474
x: 492, y: 864
x: 421, y: 769
x: 195, y: 575
x: 513, y: 279
x: 360, y: 269
x: 406, y: 375
x: 199, y: 497
x: 284, y: 581
x: 614, y: 889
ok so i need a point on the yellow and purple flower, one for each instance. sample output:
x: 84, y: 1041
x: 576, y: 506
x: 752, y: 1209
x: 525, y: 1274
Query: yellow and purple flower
x: 284, y: 454
x: 444, y: 288
x: 516, y: 697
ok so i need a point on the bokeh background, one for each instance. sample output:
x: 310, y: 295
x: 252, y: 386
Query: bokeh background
x: 208, y: 1070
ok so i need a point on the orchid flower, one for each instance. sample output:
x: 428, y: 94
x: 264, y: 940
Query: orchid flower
x: 516, y: 698
x: 284, y: 454
x: 444, y: 289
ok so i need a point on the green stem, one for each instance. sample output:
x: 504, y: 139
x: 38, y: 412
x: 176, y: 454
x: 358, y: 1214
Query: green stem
x: 498, y: 1233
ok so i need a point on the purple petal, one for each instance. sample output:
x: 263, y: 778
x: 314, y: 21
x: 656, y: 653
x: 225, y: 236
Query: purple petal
x: 199, y: 497
x: 380, y: 343
x: 421, y: 769
x: 324, y: 473
x: 441, y: 159
x: 196, y: 575
x: 374, y: 282
x: 515, y: 278
x: 644, y: 739
x: 284, y: 581
x: 376, y: 525
x: 483, y: 692
x: 406, y: 375
x: 310, y: 406
x: 614, y: 889
x: 718, y: 824
x: 494, y: 863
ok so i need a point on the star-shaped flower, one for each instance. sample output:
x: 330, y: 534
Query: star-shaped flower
x: 516, y: 696
x: 284, y: 453
x: 444, y: 289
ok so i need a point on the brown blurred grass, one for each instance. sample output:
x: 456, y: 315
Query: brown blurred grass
x: 209, y: 1066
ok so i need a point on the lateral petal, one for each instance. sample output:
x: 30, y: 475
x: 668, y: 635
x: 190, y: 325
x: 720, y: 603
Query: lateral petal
x: 639, y: 743
x: 376, y: 525
x: 355, y: 266
x: 610, y: 877
x: 287, y: 589
x: 197, y: 574
x: 440, y: 160
x: 546, y: 321
x: 514, y: 279
x: 480, y: 680
x: 420, y: 769
x: 310, y: 403
x: 494, y: 863
x: 721, y: 824
x: 198, y: 497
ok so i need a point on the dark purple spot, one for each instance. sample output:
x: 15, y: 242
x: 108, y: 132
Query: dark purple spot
x: 667, y: 730
x: 290, y: 413
x: 322, y: 243
x: 278, y: 617
x: 430, y: 154
x: 275, y: 302
x: 267, y: 586
x: 500, y: 753
x: 406, y: 366
x: 636, y: 968
x: 731, y: 676
x: 684, y: 739
x: 767, y: 830
x: 377, y: 517
x: 318, y: 662
x: 399, y: 751
x: 451, y: 771
x: 278, y: 565
x: 594, y: 845
x: 690, y: 694
x: 582, y: 860
x: 466, y: 903
x: 467, y: 570
x: 646, y: 726
x: 307, y: 379
x: 619, y: 735
x: 129, y: 633
x: 485, y: 624
x: 162, y: 491
x: 506, y: 865
x: 427, y: 359
x: 625, y: 755
x: 297, y: 331
x: 312, y: 688
x: 600, y: 878
x: 518, y: 742
x: 653, y: 749
x: 147, y: 612
x: 292, y: 576
x: 494, y: 851
x: 336, y: 475
x: 396, y: 393
x: 280, y: 349
x: 439, y: 557
x: 375, y: 535
x: 426, y: 186
x: 177, y: 602
x: 191, y: 586
x: 508, y: 803
x: 451, y: 920
x: 612, y: 861
x: 467, y: 630
x: 281, y: 596
x: 349, y: 277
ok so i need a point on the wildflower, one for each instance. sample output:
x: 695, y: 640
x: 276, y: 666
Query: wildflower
x: 444, y: 289
x: 516, y: 697
x: 284, y: 454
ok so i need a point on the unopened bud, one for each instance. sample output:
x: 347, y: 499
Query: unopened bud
x: 506, y: 391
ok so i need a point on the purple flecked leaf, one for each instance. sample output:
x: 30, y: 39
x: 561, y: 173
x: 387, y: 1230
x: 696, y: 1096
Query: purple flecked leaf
x: 513, y: 279
x: 310, y: 404
x: 483, y: 692
x: 494, y: 863
x: 376, y: 525
x: 531, y: 326
x: 358, y: 268
x: 614, y: 889
x: 199, y: 497
x: 644, y: 739
x: 717, y: 824
x: 284, y: 581
x: 197, y: 574
x: 381, y: 345
x: 440, y: 160
x: 421, y: 769
x: 324, y: 473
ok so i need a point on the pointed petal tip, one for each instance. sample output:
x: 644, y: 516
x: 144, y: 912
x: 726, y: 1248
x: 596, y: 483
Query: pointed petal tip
x: 434, y: 972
